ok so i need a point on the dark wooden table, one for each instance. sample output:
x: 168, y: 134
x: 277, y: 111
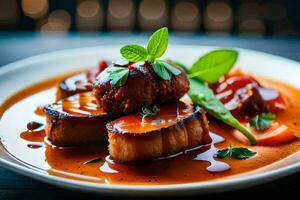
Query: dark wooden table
x: 15, y: 46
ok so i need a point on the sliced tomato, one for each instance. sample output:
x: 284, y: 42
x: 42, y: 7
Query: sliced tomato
x: 276, y: 134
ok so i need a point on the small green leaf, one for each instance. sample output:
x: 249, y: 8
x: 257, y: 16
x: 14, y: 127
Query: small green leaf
x: 225, y: 153
x: 134, y: 53
x: 147, y: 112
x: 96, y: 160
x: 262, y: 121
x: 237, y: 153
x: 158, y: 43
x: 118, y: 76
x: 204, y: 96
x: 213, y: 65
x: 161, y: 71
x: 171, y: 68
x: 242, y: 153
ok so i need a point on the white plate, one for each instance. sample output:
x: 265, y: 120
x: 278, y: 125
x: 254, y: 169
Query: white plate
x: 18, y: 75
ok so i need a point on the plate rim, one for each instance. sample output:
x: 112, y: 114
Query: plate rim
x: 169, y: 189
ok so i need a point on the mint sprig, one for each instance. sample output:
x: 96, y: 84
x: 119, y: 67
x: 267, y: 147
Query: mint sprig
x: 134, y: 53
x: 262, y: 121
x: 158, y: 43
x: 156, y: 47
x: 235, y: 152
x: 117, y: 76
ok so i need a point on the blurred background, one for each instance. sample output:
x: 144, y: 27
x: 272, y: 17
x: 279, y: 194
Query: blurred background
x: 225, y: 17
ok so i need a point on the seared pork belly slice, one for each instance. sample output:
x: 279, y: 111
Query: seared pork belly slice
x: 142, y: 88
x: 175, y: 128
x: 79, y: 83
x: 76, y: 121
x: 73, y: 85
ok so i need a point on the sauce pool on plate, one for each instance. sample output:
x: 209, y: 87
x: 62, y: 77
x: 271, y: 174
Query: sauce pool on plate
x: 94, y: 163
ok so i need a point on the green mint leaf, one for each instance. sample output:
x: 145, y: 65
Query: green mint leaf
x: 147, y: 112
x: 150, y: 59
x: 134, y: 53
x: 237, y: 153
x: 96, y: 160
x: 118, y: 76
x: 224, y: 153
x: 160, y: 69
x: 242, y: 153
x: 262, y: 121
x: 213, y: 65
x: 171, y: 68
x: 158, y: 43
x: 204, y: 96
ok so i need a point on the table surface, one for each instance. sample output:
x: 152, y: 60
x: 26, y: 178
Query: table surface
x: 15, y: 46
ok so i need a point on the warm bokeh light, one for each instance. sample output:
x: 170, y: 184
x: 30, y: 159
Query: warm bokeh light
x: 218, y: 17
x: 185, y: 16
x: 57, y: 22
x: 89, y: 15
x: 120, y: 15
x: 60, y: 17
x: 246, y: 17
x: 152, y: 14
x: 35, y: 8
x: 52, y: 27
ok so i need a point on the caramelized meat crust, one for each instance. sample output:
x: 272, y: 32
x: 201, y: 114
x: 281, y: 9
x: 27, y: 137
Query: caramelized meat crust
x: 73, y: 85
x: 130, y: 146
x: 143, y: 88
x: 66, y: 125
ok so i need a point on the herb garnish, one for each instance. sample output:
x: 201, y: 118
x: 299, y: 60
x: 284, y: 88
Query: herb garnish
x: 147, y: 112
x: 210, y: 68
x: 117, y: 75
x: 156, y: 47
x: 262, y: 121
x: 236, y: 152
x: 96, y: 160
x: 134, y: 53
x: 213, y: 65
x: 204, y: 96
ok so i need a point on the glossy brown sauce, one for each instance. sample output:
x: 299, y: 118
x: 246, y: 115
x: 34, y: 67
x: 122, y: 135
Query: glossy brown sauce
x: 80, y: 105
x: 167, y: 116
x: 192, y: 165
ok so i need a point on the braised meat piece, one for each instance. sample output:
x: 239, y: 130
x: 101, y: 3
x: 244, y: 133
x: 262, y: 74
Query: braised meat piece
x: 79, y: 83
x: 175, y: 128
x: 142, y: 88
x: 76, y: 121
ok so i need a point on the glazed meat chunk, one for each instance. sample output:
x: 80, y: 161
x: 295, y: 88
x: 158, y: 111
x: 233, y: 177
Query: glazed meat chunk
x: 142, y: 88
x: 175, y: 128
